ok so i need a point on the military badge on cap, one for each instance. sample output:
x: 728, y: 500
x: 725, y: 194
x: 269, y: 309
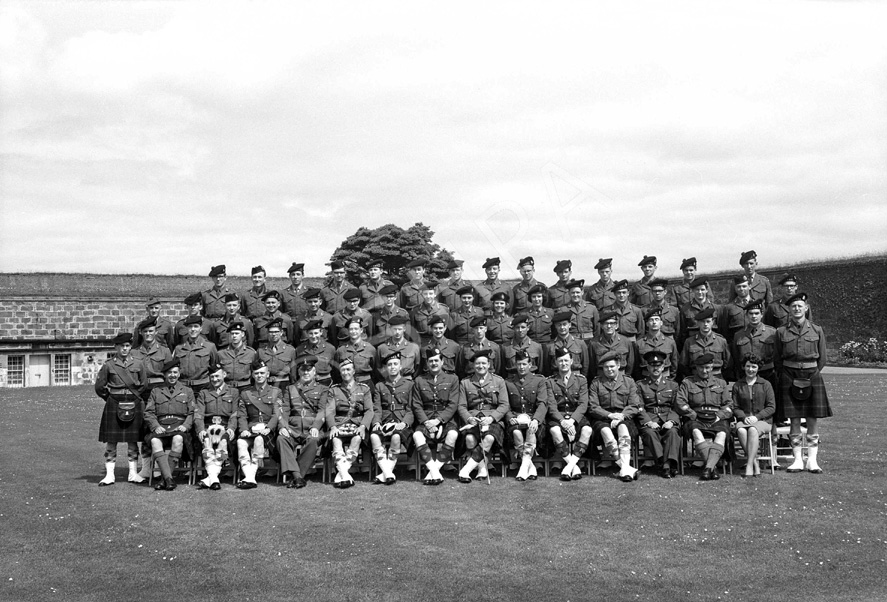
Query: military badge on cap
x: 388, y: 289
x: 193, y: 299
x: 398, y: 321
x: 478, y: 321
x: 756, y: 304
x: 563, y: 264
x: 195, y: 319
x: 747, y: 256
x: 217, y: 270
x: 526, y: 261
x: 167, y: 366
x: 271, y: 295
x: 706, y: 313
x: 797, y: 297
x: 147, y: 323
x: 647, y: 260
x: 499, y: 296
x: 688, y: 262
x: 391, y: 356
x: 620, y: 285
x: 700, y: 281
x: 456, y: 263
x: 575, y: 284
x: 465, y: 290
x: 352, y: 294
x: 311, y: 293
x: 603, y: 263
x: 421, y: 262
x: 296, y: 267
x: 520, y: 319
x: 702, y: 360
x: 490, y: 262
x: 653, y: 358
x: 257, y: 270
x: 562, y: 316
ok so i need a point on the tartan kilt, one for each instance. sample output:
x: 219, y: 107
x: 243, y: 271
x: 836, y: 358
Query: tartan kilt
x: 496, y: 430
x: 706, y: 428
x: 597, y: 425
x: 112, y: 430
x: 166, y: 438
x: 817, y: 406
x: 406, y: 439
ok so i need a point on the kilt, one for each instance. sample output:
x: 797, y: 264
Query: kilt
x: 166, y: 438
x: 597, y: 425
x: 406, y: 438
x: 708, y: 428
x: 495, y: 430
x: 579, y: 424
x: 270, y: 441
x: 112, y: 430
x: 816, y: 406
x: 440, y: 436
x: 540, y: 432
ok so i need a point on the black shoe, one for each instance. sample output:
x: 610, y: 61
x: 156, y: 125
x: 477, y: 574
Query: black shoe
x: 626, y: 478
x: 300, y: 482
x: 102, y: 484
x: 521, y: 479
x: 465, y: 479
x: 674, y: 472
x: 390, y: 481
x: 291, y: 484
x: 706, y: 475
x: 159, y: 485
x: 566, y: 477
x: 715, y: 475
x: 215, y: 486
x: 246, y: 485
x: 665, y: 473
x: 346, y: 484
x: 577, y: 476
x: 429, y: 482
x: 532, y: 477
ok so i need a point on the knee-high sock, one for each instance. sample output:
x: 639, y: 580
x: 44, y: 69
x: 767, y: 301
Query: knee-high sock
x: 797, y: 441
x: 714, y: 454
x: 445, y: 454
x: 162, y: 460
x: 625, y: 456
x: 812, y: 451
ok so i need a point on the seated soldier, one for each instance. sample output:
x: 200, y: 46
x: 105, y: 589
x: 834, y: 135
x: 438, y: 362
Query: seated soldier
x: 704, y: 401
x: 215, y: 421
x: 754, y: 404
x: 302, y: 413
x: 349, y: 414
x: 483, y: 402
x: 258, y: 416
x: 567, y: 407
x: 392, y: 419
x: 169, y: 415
x: 435, y: 399
x: 659, y: 423
x: 578, y: 350
x: 527, y: 407
x: 613, y: 403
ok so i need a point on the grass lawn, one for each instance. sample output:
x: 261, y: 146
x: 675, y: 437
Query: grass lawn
x: 798, y: 537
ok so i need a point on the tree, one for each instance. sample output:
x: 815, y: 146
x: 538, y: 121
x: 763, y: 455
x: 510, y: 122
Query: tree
x: 396, y: 247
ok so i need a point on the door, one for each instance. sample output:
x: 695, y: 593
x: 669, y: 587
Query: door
x: 38, y: 371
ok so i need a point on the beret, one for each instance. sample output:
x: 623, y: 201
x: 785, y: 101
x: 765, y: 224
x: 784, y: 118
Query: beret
x: 217, y: 270
x: 169, y: 365
x: 747, y: 255
x: 193, y: 299
x: 756, y: 304
x: 705, y: 358
x: 337, y: 265
x: 271, y: 295
x: 230, y: 297
x: 391, y: 356
x: 603, y: 263
x: 606, y: 316
x: 456, y: 263
x: 313, y: 325
x: 574, y: 284
x: 375, y: 263
x: 647, y: 260
x: 351, y: 294
x: 398, y: 320
x: 152, y: 301
x: 311, y: 293
x: 706, y: 313
x: 658, y: 282
x: 490, y: 262
x: 236, y: 325
x: 147, y: 323
x: 740, y: 279
x: 537, y: 289
x: 436, y: 320
x: 620, y: 285
x: 388, y: 289
x: 521, y: 355
x: 563, y: 264
x: 520, y: 319
x: 700, y: 281
x: 275, y: 322
x: 432, y: 352
x: 256, y: 270
x: 526, y: 261
x: 466, y: 290
x: 123, y: 337
x: 561, y: 352
x: 654, y: 357
x: 193, y: 320
x: 797, y: 297
x: 417, y: 263
x: 296, y: 267
x: 788, y: 278
x: 478, y: 321
x: 215, y: 367
x: 562, y: 316
x: 607, y: 357
x: 346, y: 362
x: 481, y: 353
x: 653, y: 311
x: 689, y: 261
x: 354, y: 320
x: 499, y: 296
x: 429, y: 285
x: 258, y: 364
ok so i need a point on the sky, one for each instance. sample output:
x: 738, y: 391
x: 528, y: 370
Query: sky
x: 161, y: 137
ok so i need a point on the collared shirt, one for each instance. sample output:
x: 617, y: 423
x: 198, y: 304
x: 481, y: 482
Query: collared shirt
x: 170, y: 407
x: 362, y: 354
x: 760, y: 340
x: 165, y: 334
x: 293, y: 303
x: 195, y: 358
x: 460, y: 323
x: 499, y: 328
x: 465, y: 363
x: 420, y: 315
x: 116, y: 374
x: 558, y: 295
x: 540, y: 324
x: 631, y: 319
x: 381, y: 331
x: 251, y: 303
x: 435, y: 396
x: 279, y: 358
x: 411, y: 294
x: 759, y: 288
x: 578, y: 351
x: 661, y: 343
x: 698, y: 345
x: 303, y: 407
x: 569, y: 397
x: 584, y: 321
x: 657, y: 397
x: 527, y: 395
x: 671, y: 319
x: 607, y: 396
x: 520, y: 301
x: 603, y: 345
x: 334, y: 296
x: 409, y: 356
x: 733, y: 315
x: 352, y: 405
x: 528, y: 345
x: 756, y: 400
x: 600, y: 294
x: 486, y: 398
x: 259, y: 405
x: 392, y: 401
x: 216, y: 406
x: 222, y: 324
x: 371, y: 300
x: 485, y: 291
x: 207, y: 330
x: 448, y: 296
x: 261, y: 324
x: 237, y: 362
x: 804, y: 343
x: 778, y: 314
x: 339, y: 323
x: 449, y: 350
x: 214, y: 302
x: 153, y: 357
x: 709, y: 398
x: 325, y: 320
x: 323, y: 351
x: 640, y: 294
x: 689, y: 312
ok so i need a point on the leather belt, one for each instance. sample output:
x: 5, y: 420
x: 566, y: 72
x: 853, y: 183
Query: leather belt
x: 196, y: 381
x: 279, y: 379
x: 155, y: 380
x: 238, y: 383
x: 800, y: 365
x: 586, y: 336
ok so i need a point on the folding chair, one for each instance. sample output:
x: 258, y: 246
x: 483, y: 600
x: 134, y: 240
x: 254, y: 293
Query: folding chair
x: 766, y: 450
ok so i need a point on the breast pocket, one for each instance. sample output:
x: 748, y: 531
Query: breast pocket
x: 808, y: 345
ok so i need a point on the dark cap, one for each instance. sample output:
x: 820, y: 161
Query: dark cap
x: 536, y: 289
x: 375, y: 263
x: 619, y: 285
x: 456, y: 263
x: 237, y: 325
x: 193, y: 299
x: 232, y: 297
x: 398, y: 321
x: 740, y: 279
x: 653, y: 311
x: 428, y: 285
x: 352, y: 294
x: 215, y: 367
x: 702, y: 360
x: 609, y: 356
x: 606, y: 316
x: 699, y: 281
x: 275, y: 322
x: 499, y: 296
x: 169, y: 365
x: 271, y: 295
x: 311, y: 293
x: 603, y: 263
x: 520, y: 319
x: 256, y: 270
x: 152, y: 301
x: 797, y: 297
x: 561, y: 352
x: 647, y: 260
x: 388, y: 289
x: 337, y: 265
x: 296, y: 267
x: 306, y: 361
x: 433, y: 352
x: 521, y: 355
x: 788, y: 278
x: 481, y: 353
x: 756, y: 304
x: 689, y: 261
x: 258, y: 364
x: 575, y: 284
x: 490, y: 262
x: 478, y: 321
x: 466, y: 290
x: 563, y: 264
x: 354, y: 320
x: 195, y: 319
x: 391, y: 356
x: 123, y: 337
x: 421, y: 262
x: 217, y: 270
x: 526, y: 261
x: 658, y: 282
x: 313, y: 325
x: 708, y: 312
x: 654, y: 357
x: 562, y: 316
x: 436, y: 319
x: 746, y: 256
x: 147, y: 323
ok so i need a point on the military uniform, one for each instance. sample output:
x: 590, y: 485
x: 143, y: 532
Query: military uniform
x: 709, y: 399
x: 619, y: 395
x: 761, y: 341
x: 801, y: 354
x: 324, y: 352
x: 252, y: 303
x: 370, y: 298
x: 325, y: 318
x: 485, y: 291
x: 392, y: 402
x: 236, y: 363
x: 261, y: 326
x: 302, y: 408
x: 411, y: 295
x: 293, y: 304
x: 214, y: 302
x: 409, y: 356
x: 448, y: 296
x: 732, y: 317
x: 153, y: 357
x: 640, y: 294
x: 569, y: 400
x: 381, y: 331
x: 658, y: 398
x: 584, y: 322
x: 777, y: 314
x: 460, y: 323
x: 578, y: 351
x: 165, y: 332
x: 280, y: 360
x: 619, y: 345
x: 520, y: 300
x: 465, y: 362
x: 195, y: 358
x: 207, y: 330
x: 661, y: 343
x: 435, y: 397
x: 363, y: 355
x: 421, y: 314
x: 499, y: 328
x: 334, y: 296
x: 600, y: 294
x: 759, y: 288
x: 259, y: 406
x: 527, y: 395
x: 528, y: 346
x: 349, y: 406
x: 339, y: 325
x: 221, y: 328
x: 484, y: 399
x: 169, y: 408
x: 671, y: 320
x: 217, y: 407
x: 121, y: 382
x: 698, y: 345
x: 631, y: 319
x: 558, y: 295
x: 449, y: 351
x: 689, y: 311
x: 540, y: 324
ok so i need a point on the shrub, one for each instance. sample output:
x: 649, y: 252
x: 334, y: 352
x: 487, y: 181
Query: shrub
x: 868, y: 351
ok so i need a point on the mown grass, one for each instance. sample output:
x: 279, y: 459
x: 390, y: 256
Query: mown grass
x: 799, y: 536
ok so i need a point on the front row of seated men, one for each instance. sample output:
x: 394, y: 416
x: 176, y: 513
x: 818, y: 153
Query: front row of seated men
x: 440, y: 417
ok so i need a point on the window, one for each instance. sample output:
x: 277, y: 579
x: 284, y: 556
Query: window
x: 61, y: 369
x: 15, y: 371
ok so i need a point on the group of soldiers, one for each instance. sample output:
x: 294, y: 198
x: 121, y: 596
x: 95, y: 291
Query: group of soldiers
x: 453, y: 369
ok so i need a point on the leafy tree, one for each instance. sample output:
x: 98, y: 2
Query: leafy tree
x: 396, y: 247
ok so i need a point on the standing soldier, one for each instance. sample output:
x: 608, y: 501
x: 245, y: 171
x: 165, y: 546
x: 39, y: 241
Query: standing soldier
x: 528, y: 405
x: 520, y: 293
x: 558, y: 293
x: 252, y: 301
x: 521, y: 344
x: 341, y: 319
x: 381, y: 331
x: 641, y: 294
x: 392, y: 419
x: 777, y: 313
x: 302, y: 414
x: 314, y: 314
x: 655, y: 340
x: 631, y: 317
x: 194, y: 307
x: 479, y: 343
x: 358, y: 351
x: 680, y: 293
x: 121, y: 383
x: 232, y: 315
x: 333, y: 292
x: 601, y: 292
x: 278, y: 355
x: 756, y: 339
x: 460, y: 319
x: 435, y: 399
x: 759, y: 285
x: 499, y: 328
x: 409, y: 351
x: 489, y: 287
x: 609, y: 342
x: 214, y: 297
x: 689, y: 311
x: 706, y: 342
x: 258, y: 414
x: 293, y: 303
x: 272, y: 312
x: 237, y: 358
x: 671, y: 316
x: 613, y: 403
x: 483, y: 402
x: 449, y: 349
x: 733, y: 313
x: 372, y: 299
x: 660, y: 425
x: 584, y: 320
x: 216, y: 408
x: 539, y: 317
x: 349, y: 414
x: 578, y: 350
x: 567, y: 407
x: 151, y: 353
x: 169, y: 416
x: 318, y: 347
x: 421, y: 315
x: 448, y: 292
x: 163, y: 328
x: 195, y: 355
x: 800, y: 358
x: 411, y: 292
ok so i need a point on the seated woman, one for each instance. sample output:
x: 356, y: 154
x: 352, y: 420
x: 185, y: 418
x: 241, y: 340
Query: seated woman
x: 704, y: 401
x: 349, y: 414
x: 169, y: 415
x: 754, y: 404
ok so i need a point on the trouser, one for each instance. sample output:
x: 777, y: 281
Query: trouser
x: 299, y: 464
